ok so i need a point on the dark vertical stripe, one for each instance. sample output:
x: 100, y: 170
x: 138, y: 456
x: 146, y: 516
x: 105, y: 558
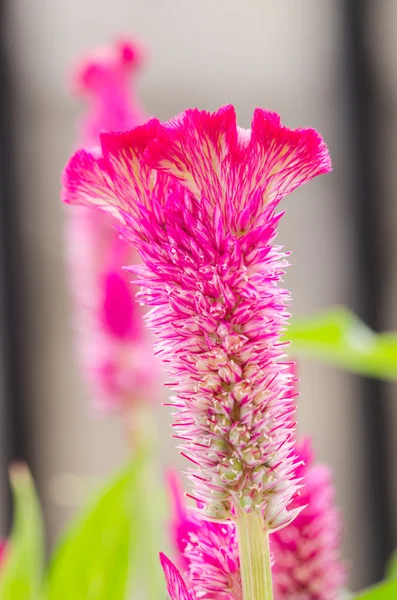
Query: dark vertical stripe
x: 363, y: 101
x: 11, y: 300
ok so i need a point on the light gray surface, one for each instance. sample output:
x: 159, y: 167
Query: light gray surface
x: 284, y: 56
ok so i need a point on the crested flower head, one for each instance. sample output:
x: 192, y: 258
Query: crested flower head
x: 307, y: 564
x: 197, y: 197
x: 115, y: 350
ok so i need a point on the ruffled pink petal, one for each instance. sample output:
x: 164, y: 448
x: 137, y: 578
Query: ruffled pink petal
x: 193, y: 148
x: 235, y: 169
x: 86, y: 182
x: 176, y: 587
x: 280, y: 159
x: 114, y: 182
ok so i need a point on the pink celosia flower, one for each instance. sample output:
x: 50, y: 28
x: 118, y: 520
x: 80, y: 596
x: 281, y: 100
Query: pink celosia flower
x: 197, y: 197
x: 113, y: 344
x: 306, y: 554
x: 306, y: 562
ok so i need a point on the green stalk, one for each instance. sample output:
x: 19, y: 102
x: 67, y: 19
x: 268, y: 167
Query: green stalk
x: 254, y: 552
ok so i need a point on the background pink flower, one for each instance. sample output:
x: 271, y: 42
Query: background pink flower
x: 106, y: 80
x: 307, y: 562
x: 114, y: 347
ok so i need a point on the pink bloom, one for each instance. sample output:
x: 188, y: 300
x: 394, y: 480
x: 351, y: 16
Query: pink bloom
x: 306, y: 561
x: 104, y: 78
x: 115, y: 350
x: 197, y: 196
x: 306, y: 554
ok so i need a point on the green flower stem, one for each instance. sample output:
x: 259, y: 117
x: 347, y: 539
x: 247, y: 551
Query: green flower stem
x: 254, y: 552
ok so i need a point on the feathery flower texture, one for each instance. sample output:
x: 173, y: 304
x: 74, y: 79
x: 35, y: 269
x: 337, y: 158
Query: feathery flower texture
x: 115, y: 350
x: 197, y: 197
x: 306, y: 562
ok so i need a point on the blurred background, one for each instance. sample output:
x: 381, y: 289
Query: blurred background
x: 330, y: 65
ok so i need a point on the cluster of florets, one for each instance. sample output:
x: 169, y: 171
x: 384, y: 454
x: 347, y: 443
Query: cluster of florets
x: 197, y: 197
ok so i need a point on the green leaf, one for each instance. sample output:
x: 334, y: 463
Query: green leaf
x: 93, y: 560
x: 338, y: 337
x: 21, y: 574
x: 113, y: 543
x: 387, y: 590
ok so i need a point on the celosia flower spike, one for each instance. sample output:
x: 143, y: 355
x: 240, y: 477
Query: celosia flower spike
x: 197, y: 197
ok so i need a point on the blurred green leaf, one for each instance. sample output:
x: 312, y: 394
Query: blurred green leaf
x: 92, y: 561
x: 21, y: 573
x: 387, y: 590
x: 338, y: 337
x: 112, y: 544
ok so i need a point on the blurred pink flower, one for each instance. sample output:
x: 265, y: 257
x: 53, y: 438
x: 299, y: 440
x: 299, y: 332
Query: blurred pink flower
x: 3, y: 548
x: 198, y: 197
x: 114, y: 347
x: 106, y: 80
x: 306, y: 562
